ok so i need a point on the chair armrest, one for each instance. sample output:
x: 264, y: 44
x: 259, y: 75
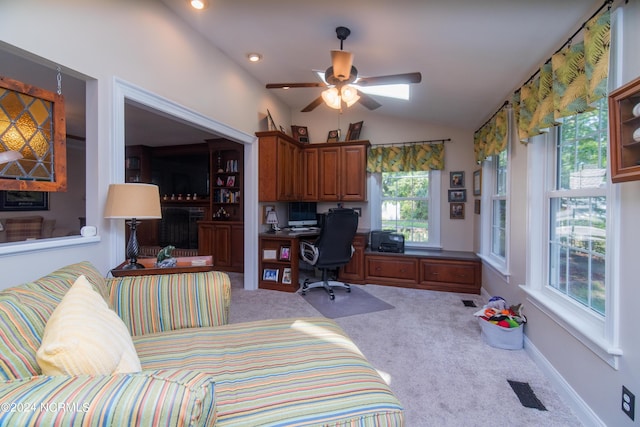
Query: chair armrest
x: 308, y: 252
x: 158, y: 303
x: 120, y: 399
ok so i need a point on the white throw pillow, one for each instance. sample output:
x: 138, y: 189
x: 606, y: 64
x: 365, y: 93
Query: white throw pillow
x: 84, y: 336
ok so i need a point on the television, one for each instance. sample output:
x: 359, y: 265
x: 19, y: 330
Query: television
x: 302, y: 214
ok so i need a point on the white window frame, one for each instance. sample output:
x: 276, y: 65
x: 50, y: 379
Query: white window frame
x: 599, y: 334
x: 375, y: 201
x: 489, y: 174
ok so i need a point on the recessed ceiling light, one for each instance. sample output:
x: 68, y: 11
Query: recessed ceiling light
x: 254, y: 57
x: 199, y: 4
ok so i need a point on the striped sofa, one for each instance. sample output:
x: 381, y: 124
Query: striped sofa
x: 196, y: 368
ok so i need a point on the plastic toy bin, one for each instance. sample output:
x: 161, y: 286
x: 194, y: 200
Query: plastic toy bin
x: 499, y: 337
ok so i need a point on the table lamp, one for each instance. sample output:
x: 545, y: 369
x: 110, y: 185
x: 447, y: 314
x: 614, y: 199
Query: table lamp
x: 272, y: 218
x: 133, y: 202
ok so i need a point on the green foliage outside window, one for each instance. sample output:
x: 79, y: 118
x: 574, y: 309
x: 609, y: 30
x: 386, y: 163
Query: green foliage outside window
x: 405, y: 204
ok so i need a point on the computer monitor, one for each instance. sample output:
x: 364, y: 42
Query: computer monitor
x: 302, y: 214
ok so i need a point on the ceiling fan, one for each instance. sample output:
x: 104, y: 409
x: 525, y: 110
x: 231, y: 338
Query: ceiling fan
x: 339, y: 77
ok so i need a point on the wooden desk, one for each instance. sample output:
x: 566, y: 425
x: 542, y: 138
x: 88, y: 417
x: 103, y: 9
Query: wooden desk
x: 184, y: 266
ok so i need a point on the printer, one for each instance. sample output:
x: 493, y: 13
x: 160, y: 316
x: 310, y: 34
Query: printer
x: 386, y: 241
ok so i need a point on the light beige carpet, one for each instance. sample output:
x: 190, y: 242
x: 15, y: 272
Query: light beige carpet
x: 429, y: 349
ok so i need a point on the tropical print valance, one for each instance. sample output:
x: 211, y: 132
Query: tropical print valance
x: 570, y: 82
x: 405, y: 158
x: 491, y: 138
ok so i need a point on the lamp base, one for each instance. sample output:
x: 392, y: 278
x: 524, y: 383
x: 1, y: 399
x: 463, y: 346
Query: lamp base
x: 133, y: 266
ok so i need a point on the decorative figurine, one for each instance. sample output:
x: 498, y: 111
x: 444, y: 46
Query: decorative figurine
x: 165, y: 259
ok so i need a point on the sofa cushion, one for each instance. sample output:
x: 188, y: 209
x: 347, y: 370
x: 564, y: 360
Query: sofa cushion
x: 279, y: 372
x: 84, y: 336
x: 25, y: 310
x: 23, y: 228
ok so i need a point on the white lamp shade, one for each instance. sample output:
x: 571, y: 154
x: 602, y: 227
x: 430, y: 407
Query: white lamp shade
x: 331, y: 97
x: 272, y: 217
x: 349, y: 95
x: 140, y: 201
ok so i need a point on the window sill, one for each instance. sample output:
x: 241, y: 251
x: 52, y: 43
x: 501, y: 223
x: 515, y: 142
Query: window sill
x: 589, y: 333
x: 497, y: 267
x: 45, y: 244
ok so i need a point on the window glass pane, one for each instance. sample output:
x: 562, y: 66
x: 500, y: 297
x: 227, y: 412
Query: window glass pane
x: 501, y: 173
x: 498, y: 226
x: 582, y: 151
x: 577, y: 249
x: 405, y: 204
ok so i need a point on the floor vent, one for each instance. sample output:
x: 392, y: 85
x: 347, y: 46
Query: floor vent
x: 526, y: 395
x: 469, y: 303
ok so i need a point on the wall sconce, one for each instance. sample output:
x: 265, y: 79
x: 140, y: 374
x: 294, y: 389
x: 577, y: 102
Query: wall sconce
x: 133, y: 201
x: 35, y: 128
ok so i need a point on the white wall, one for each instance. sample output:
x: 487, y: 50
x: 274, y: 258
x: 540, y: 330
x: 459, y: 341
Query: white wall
x: 590, y: 381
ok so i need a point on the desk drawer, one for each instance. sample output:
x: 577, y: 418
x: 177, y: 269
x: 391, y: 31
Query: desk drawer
x: 452, y: 273
x: 391, y: 270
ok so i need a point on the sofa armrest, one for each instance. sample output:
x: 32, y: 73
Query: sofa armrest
x: 158, y: 303
x: 111, y: 400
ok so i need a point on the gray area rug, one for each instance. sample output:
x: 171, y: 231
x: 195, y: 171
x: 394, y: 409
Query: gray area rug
x: 358, y: 301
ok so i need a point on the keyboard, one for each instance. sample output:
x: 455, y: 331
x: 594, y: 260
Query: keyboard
x: 300, y: 229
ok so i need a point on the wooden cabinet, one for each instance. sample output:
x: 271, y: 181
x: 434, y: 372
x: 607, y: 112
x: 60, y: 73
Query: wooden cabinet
x: 450, y: 275
x: 279, y: 169
x: 224, y: 241
x: 450, y: 271
x: 278, y: 272
x: 342, y: 172
x: 354, y: 271
x: 391, y: 270
x: 623, y: 123
x: 310, y: 174
x: 290, y: 171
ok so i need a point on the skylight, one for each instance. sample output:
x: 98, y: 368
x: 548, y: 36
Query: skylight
x: 398, y: 91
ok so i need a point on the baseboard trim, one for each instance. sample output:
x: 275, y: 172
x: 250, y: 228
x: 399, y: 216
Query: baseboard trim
x: 579, y: 407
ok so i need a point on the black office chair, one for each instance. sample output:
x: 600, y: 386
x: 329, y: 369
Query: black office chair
x: 332, y: 249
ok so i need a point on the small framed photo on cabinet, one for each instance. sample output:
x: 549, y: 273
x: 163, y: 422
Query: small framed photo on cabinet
x: 270, y: 274
x: 286, y: 276
x: 285, y: 253
x: 334, y: 135
x: 354, y: 131
x: 300, y: 134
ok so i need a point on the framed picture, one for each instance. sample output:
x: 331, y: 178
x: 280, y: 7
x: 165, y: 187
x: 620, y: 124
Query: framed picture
x: 269, y: 254
x: 286, y: 276
x: 300, y: 134
x: 24, y: 201
x: 231, y: 181
x: 456, y: 211
x: 334, y: 135
x: 477, y: 182
x: 476, y: 206
x: 457, y: 196
x: 270, y: 274
x: 285, y: 253
x: 354, y: 131
x: 271, y: 125
x: 456, y: 179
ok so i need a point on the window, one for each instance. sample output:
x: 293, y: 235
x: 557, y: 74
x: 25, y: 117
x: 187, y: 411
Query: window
x: 570, y: 219
x: 406, y: 206
x: 495, y: 225
x: 578, y: 210
x: 499, y: 207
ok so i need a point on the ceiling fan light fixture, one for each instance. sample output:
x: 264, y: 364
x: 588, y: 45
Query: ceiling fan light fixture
x: 349, y: 95
x: 342, y: 62
x: 331, y: 97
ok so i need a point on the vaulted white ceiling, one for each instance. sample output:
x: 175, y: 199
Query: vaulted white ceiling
x: 472, y: 53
